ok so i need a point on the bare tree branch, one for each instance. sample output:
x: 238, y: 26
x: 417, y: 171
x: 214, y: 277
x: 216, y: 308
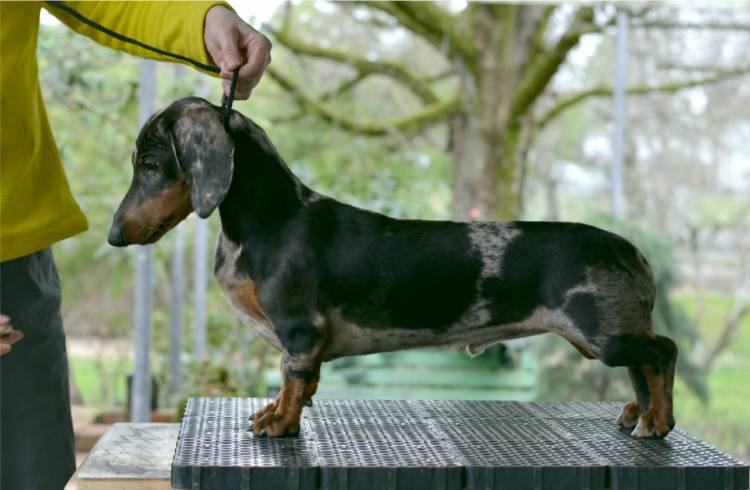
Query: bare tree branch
x: 344, y: 87
x: 360, y: 63
x: 294, y: 116
x: 706, y: 26
x: 729, y: 332
x: 532, y: 26
x: 408, y: 124
x: 431, y: 22
x: 670, y: 65
x: 572, y: 100
x: 545, y: 65
x: 440, y: 76
x: 541, y: 28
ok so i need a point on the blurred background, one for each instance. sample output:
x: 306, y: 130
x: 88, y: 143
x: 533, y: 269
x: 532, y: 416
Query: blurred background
x: 632, y: 117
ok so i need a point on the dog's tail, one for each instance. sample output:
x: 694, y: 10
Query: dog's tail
x: 645, y: 280
x: 641, y: 276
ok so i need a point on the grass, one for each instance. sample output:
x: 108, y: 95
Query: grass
x: 725, y: 420
x: 101, y: 383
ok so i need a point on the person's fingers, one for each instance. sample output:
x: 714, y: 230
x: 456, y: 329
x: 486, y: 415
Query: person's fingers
x: 235, y: 45
x: 225, y: 53
x: 215, y: 51
x: 13, y: 337
x: 5, y: 325
x: 8, y: 340
x: 230, y: 57
x: 247, y: 79
x: 258, y: 57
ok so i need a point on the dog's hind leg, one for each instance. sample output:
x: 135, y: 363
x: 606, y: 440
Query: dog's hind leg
x: 631, y: 411
x: 651, y: 362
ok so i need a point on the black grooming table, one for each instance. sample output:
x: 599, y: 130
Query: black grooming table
x: 408, y: 445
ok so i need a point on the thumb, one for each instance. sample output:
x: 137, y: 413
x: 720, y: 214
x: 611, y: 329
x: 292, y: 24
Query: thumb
x: 230, y: 55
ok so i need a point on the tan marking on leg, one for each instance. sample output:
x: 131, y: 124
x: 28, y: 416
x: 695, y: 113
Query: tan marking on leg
x: 285, y: 417
x: 310, y: 389
x: 270, y: 407
x: 244, y: 292
x: 583, y: 350
x: 629, y: 415
x: 656, y: 421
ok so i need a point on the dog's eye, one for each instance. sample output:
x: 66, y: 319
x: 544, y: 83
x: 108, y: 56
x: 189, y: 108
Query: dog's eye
x: 150, y: 165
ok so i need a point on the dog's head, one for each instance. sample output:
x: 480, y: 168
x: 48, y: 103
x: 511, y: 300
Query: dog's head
x: 182, y: 162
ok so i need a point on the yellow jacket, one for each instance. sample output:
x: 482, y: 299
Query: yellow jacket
x: 37, y: 208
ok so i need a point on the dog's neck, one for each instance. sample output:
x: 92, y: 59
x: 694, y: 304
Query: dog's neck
x: 264, y: 194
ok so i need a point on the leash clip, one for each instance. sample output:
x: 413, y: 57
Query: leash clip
x: 227, y: 100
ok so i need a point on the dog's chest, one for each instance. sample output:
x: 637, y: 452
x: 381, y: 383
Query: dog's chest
x: 242, y: 291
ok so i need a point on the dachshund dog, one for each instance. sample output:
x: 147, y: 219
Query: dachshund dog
x: 319, y: 279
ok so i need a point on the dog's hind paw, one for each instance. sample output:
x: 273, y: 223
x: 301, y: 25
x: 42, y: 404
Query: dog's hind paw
x: 652, y: 424
x: 628, y: 415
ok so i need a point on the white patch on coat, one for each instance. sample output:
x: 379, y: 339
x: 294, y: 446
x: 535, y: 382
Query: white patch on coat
x: 489, y: 240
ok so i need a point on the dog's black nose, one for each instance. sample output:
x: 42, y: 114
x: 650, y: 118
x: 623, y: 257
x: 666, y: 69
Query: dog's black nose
x: 116, y: 237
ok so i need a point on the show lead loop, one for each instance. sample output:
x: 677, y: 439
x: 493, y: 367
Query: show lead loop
x: 227, y: 100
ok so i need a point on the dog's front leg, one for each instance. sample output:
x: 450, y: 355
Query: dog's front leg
x: 282, y: 416
x: 300, y: 367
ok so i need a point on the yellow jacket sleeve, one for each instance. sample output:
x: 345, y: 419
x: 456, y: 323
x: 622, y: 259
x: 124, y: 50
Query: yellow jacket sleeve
x: 163, y: 31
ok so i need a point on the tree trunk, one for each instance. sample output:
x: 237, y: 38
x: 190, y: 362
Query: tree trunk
x: 474, y: 174
x: 485, y: 170
x: 485, y: 141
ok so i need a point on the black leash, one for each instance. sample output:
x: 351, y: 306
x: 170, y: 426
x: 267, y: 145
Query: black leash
x: 227, y: 100
x: 80, y: 17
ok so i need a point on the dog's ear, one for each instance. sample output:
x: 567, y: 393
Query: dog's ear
x: 205, y: 154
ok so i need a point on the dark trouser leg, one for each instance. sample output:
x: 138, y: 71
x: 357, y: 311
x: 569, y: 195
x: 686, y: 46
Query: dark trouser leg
x: 36, y: 436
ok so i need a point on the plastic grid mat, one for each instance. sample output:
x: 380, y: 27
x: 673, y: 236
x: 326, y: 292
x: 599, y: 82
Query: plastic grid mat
x: 477, y: 445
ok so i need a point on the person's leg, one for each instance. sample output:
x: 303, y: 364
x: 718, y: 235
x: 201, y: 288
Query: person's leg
x: 36, y: 431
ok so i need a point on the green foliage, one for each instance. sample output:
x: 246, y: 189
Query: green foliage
x: 100, y: 382
x: 723, y: 421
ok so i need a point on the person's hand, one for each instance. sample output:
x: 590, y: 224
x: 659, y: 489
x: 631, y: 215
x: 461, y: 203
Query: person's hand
x: 233, y: 43
x: 8, y: 336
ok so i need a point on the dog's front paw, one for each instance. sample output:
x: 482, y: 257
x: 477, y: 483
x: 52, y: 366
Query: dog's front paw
x: 629, y: 415
x: 275, y: 424
x: 271, y: 407
x: 653, y: 424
